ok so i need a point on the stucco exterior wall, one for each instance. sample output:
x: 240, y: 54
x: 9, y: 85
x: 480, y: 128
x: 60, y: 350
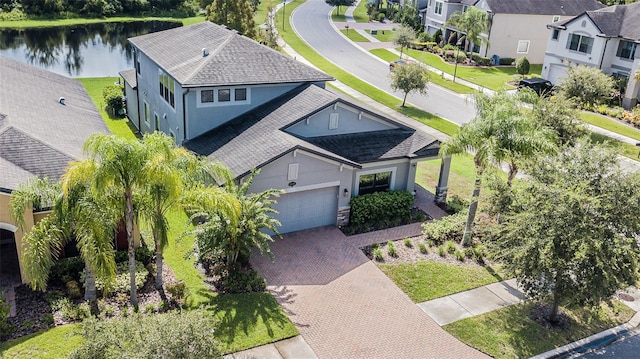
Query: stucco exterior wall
x: 5, y: 218
x: 350, y: 120
x: 132, y: 105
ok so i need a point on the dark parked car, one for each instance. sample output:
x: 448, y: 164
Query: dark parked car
x: 538, y: 85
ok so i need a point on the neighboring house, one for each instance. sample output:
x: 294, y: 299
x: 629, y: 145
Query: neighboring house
x: 250, y: 107
x: 605, y: 38
x: 44, y: 120
x: 517, y: 27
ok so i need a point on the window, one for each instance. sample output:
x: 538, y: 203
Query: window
x: 333, y: 121
x: 438, y: 9
x: 240, y: 94
x: 206, y: 96
x: 523, y: 46
x: 375, y: 182
x: 555, y: 35
x: 626, y: 50
x: 137, y: 62
x: 556, y: 18
x: 224, y: 95
x: 156, y: 120
x: 147, y: 114
x: 292, y: 173
x: 167, y: 88
x: 580, y: 43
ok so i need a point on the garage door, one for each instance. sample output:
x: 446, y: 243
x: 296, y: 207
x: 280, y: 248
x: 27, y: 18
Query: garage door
x: 307, y: 209
x: 556, y: 73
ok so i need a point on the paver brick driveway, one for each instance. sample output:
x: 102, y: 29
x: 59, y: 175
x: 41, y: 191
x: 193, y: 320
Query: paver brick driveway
x: 345, y: 307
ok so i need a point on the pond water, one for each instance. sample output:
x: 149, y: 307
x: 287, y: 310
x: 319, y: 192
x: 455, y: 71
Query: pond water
x: 92, y: 50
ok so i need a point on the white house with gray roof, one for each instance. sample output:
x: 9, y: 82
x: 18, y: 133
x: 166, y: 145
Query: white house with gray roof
x: 517, y: 27
x: 44, y: 120
x: 605, y: 38
x: 231, y: 99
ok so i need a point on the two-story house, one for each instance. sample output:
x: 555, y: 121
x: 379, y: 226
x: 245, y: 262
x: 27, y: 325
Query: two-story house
x: 44, y: 120
x: 516, y: 28
x: 227, y: 97
x: 605, y: 38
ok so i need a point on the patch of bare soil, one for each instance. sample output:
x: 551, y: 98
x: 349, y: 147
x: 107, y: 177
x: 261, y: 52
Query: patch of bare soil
x: 35, y: 310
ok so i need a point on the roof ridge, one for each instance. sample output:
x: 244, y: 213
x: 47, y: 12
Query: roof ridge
x: 210, y: 55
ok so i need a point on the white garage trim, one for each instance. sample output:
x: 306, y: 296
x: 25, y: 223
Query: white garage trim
x: 311, y: 187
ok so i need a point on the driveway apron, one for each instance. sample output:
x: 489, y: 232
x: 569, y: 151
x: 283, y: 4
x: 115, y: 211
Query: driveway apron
x: 344, y: 306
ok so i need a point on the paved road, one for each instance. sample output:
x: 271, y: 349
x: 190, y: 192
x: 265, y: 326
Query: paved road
x: 624, y: 348
x: 310, y: 20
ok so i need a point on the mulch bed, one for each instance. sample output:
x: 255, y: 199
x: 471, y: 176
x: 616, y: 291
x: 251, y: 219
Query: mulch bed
x: 34, y: 313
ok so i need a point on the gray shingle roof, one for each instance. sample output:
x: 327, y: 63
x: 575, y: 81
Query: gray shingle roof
x: 258, y: 137
x: 378, y: 145
x: 614, y: 21
x: 130, y: 77
x: 38, y: 135
x: 543, y: 7
x: 232, y: 59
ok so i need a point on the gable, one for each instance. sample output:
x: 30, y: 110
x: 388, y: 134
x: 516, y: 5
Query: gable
x: 339, y: 118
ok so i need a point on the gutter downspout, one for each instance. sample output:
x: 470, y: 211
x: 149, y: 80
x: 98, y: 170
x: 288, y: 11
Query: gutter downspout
x: 603, y: 52
x: 184, y: 116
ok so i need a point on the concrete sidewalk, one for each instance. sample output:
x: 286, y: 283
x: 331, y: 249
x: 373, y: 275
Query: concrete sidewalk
x: 292, y: 348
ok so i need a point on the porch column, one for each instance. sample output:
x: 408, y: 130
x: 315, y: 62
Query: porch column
x: 631, y: 95
x: 443, y: 181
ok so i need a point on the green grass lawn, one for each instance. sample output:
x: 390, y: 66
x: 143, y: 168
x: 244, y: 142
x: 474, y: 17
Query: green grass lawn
x: 21, y: 24
x: 610, y: 124
x: 434, y: 78
x: 353, y: 35
x: 494, y: 78
x: 626, y: 149
x: 426, y: 280
x: 360, y: 12
x: 118, y: 126
x: 510, y: 333
x: 373, y: 92
x: 461, y: 175
x: 53, y: 343
x: 383, y: 35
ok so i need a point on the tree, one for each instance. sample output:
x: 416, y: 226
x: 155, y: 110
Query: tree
x: 586, y: 85
x: 403, y: 37
x: 115, y: 165
x: 559, y: 114
x: 237, y: 14
x: 409, y: 78
x: 78, y: 217
x: 408, y: 16
x: 339, y: 3
x: 523, y: 66
x: 572, y: 227
x: 234, y: 237
x: 499, y: 132
x: 472, y: 23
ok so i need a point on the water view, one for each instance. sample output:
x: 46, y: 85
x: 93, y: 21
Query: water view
x: 92, y: 50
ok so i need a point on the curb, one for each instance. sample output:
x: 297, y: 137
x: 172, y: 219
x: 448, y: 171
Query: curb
x: 592, y: 342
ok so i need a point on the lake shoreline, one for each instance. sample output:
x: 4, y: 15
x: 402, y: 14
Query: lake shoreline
x: 25, y: 24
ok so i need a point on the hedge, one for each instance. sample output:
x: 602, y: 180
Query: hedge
x: 380, y: 209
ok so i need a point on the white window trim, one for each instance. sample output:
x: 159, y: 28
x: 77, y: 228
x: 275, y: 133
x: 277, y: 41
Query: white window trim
x: 436, y: 7
x: 392, y: 183
x: 555, y: 18
x: 292, y: 171
x: 557, y: 38
x: 147, y: 121
x: 216, y: 103
x: 528, y: 42
x: 156, y: 123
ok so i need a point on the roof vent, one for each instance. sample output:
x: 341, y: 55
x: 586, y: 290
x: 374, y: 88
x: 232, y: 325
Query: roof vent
x: 61, y: 100
x: 205, y: 52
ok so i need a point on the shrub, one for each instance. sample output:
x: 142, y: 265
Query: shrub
x: 461, y: 56
x: 122, y: 256
x: 407, y: 242
x: 5, y: 328
x: 72, y: 312
x: 144, y: 254
x: 507, y: 60
x: 586, y: 85
x: 121, y: 283
x: 149, y: 308
x: 450, y: 246
x: 47, y: 319
x: 177, y: 290
x: 377, y: 255
x: 191, y: 333
x: 478, y: 254
x: 456, y: 204
x: 112, y: 96
x: 380, y: 210
x: 391, y: 249
x: 468, y: 252
x: 381, y: 17
x: 423, y: 248
x: 237, y: 279
x: 523, y: 66
x: 70, y: 268
x: 436, y: 50
x: 442, y: 251
x: 449, y: 47
x: 73, y: 289
x: 459, y: 255
x: 425, y: 37
x: 437, y: 36
x: 447, y: 228
x: 430, y: 243
x: 481, y: 60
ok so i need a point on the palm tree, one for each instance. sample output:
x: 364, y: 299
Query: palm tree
x: 472, y: 23
x: 235, y: 237
x: 76, y: 216
x: 499, y: 132
x: 116, y: 165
